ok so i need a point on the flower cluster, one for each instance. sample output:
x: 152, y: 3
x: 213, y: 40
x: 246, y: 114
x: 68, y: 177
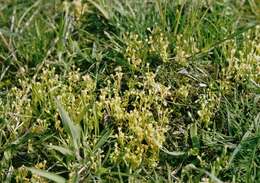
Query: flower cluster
x: 159, y: 44
x: 209, y: 104
x: 22, y: 174
x: 141, y: 118
x: 135, y: 49
x: 184, y: 49
x: 244, y: 65
x: 76, y: 8
x: 30, y: 107
x: 139, y: 115
x: 155, y: 44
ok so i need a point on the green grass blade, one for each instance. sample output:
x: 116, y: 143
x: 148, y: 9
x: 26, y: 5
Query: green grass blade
x: 172, y: 153
x: 213, y: 177
x: 73, y: 130
x: 102, y: 10
x: 48, y: 175
x: 62, y: 150
x: 103, y: 139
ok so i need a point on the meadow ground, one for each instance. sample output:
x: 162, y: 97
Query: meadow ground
x: 130, y: 91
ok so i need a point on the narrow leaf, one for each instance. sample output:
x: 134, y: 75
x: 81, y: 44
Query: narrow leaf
x: 73, y: 130
x: 194, y: 135
x: 103, y: 139
x: 172, y: 153
x: 100, y: 8
x: 213, y: 177
x: 48, y: 175
x: 62, y: 150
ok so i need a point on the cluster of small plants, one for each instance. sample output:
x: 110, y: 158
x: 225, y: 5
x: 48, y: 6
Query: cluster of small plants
x: 129, y: 91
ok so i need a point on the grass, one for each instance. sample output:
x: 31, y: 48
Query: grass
x: 129, y: 91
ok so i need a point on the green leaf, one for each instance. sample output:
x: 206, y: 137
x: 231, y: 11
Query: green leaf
x: 194, y: 135
x: 103, y: 139
x: 212, y: 176
x: 7, y: 33
x: 47, y: 175
x: 172, y: 153
x: 102, y: 10
x: 62, y: 150
x: 72, y: 129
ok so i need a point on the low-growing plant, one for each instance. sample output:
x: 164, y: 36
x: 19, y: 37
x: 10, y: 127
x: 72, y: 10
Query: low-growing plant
x: 129, y: 91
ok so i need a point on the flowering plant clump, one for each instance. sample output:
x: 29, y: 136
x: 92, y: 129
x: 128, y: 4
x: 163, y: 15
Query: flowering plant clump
x: 138, y: 49
x: 35, y: 98
x: 159, y: 44
x: 140, y: 116
x: 135, y: 49
x: 31, y: 107
x: 129, y: 91
x: 209, y: 105
x: 184, y: 49
x: 244, y: 65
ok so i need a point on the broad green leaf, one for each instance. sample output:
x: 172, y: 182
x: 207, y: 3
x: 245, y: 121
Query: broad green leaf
x: 48, y: 175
